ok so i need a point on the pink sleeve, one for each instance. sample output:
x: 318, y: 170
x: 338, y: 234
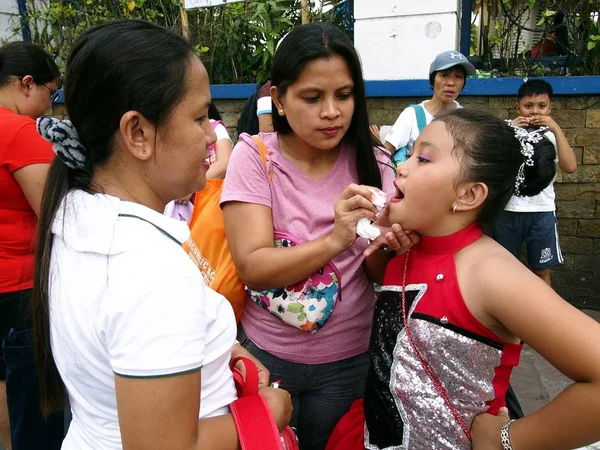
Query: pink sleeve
x: 246, y: 179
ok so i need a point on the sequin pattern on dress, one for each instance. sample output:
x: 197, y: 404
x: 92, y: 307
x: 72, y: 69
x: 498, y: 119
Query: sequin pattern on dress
x: 420, y: 419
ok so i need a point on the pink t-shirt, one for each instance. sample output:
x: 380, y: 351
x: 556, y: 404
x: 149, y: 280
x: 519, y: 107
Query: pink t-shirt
x: 303, y: 208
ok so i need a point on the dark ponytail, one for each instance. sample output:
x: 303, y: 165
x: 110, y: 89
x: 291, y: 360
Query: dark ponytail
x: 248, y: 121
x: 113, y: 68
x: 19, y: 59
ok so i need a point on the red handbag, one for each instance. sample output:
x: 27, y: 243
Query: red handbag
x: 254, y: 422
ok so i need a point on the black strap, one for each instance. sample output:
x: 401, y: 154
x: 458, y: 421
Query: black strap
x: 132, y: 216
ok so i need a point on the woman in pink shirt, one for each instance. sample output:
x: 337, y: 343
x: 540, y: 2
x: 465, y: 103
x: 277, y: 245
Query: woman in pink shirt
x: 321, y: 161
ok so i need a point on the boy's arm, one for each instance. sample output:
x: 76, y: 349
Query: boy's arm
x: 566, y: 156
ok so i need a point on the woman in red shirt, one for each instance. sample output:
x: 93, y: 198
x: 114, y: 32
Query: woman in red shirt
x: 28, y: 83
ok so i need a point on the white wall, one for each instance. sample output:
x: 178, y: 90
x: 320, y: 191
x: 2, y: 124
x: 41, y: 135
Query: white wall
x: 398, y: 39
x: 8, y: 16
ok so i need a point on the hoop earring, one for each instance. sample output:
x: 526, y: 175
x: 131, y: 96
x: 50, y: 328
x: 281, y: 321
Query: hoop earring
x: 454, y: 207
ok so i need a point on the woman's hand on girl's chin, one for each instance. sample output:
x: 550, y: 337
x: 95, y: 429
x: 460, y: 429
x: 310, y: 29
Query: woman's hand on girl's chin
x: 485, y: 430
x: 394, y: 238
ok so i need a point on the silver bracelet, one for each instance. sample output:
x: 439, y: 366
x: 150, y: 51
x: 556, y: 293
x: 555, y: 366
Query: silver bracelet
x: 504, y: 437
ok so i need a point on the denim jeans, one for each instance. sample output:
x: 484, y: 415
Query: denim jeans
x: 28, y: 428
x: 321, y: 393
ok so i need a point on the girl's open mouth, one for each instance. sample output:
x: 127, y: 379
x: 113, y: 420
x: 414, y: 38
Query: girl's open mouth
x: 398, y: 197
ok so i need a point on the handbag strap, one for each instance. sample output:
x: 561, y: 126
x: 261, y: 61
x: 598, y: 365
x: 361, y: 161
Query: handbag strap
x: 426, y: 367
x: 421, y: 119
x: 253, y: 419
x: 263, y: 151
x: 255, y: 425
x: 248, y: 384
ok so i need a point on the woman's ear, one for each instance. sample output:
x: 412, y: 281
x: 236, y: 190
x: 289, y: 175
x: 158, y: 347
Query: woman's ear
x: 26, y: 84
x: 277, y: 98
x: 471, y: 196
x: 137, y: 135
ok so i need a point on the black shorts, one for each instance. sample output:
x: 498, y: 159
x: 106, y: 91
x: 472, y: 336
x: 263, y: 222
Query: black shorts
x: 14, y: 313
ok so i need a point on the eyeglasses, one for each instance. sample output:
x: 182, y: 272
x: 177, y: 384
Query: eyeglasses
x: 54, y: 94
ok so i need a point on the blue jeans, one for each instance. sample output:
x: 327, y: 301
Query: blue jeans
x: 28, y: 428
x: 321, y: 393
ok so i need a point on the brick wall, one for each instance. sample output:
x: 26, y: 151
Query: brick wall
x: 578, y: 194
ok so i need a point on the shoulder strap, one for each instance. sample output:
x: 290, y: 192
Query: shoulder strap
x: 421, y: 119
x: 263, y: 151
x: 133, y: 216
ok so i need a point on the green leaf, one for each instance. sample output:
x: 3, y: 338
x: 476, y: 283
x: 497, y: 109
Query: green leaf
x: 591, y: 45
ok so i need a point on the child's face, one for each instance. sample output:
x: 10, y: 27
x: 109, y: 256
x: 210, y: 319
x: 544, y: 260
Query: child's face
x: 426, y: 183
x: 535, y: 105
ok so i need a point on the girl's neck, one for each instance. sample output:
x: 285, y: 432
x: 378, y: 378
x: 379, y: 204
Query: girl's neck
x: 436, y: 105
x: 453, y: 224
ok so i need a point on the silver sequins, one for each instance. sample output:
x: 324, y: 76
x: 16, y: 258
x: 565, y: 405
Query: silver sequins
x: 465, y: 368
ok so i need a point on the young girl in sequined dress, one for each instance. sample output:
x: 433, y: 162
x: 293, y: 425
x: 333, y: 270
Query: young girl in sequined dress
x: 455, y: 309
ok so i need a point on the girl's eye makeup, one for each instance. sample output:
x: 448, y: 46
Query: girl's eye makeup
x: 424, y: 157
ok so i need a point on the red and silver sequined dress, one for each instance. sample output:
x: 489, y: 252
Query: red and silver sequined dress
x: 402, y: 408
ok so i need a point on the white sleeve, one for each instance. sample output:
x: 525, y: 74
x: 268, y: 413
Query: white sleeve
x: 264, y: 105
x: 222, y: 133
x: 552, y: 138
x: 156, y: 324
x: 399, y: 136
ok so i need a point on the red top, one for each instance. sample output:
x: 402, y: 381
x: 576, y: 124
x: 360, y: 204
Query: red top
x: 20, y: 146
x: 402, y: 408
x: 471, y: 363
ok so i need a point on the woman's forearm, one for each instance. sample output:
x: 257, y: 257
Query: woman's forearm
x: 268, y: 268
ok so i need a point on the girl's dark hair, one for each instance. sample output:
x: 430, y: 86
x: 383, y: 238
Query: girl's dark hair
x: 248, y: 121
x: 433, y: 74
x: 489, y: 153
x: 314, y: 41
x: 213, y: 112
x: 119, y: 66
x: 19, y: 59
x: 543, y: 171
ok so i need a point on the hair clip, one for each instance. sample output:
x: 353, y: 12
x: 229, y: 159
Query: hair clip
x: 65, y: 141
x: 526, y: 139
